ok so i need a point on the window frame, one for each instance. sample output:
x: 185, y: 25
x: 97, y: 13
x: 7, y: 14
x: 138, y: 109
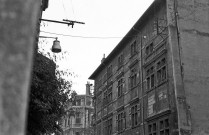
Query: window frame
x: 120, y: 121
x: 133, y: 48
x: 120, y: 86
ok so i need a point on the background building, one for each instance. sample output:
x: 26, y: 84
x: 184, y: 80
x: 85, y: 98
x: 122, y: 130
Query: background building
x: 155, y: 81
x: 78, y: 120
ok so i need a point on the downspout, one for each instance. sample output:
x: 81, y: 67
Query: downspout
x: 141, y: 74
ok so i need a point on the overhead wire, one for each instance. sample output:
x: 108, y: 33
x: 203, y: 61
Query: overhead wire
x: 78, y: 36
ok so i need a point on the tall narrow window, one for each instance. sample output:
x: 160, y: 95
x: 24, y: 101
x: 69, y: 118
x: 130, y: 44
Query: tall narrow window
x: 150, y: 76
x: 133, y: 78
x: 134, y: 116
x: 149, y: 49
x: 109, y: 96
x: 121, y: 121
x: 152, y: 129
x: 133, y: 48
x: 120, y: 87
x: 109, y: 71
x: 161, y: 71
x: 120, y: 60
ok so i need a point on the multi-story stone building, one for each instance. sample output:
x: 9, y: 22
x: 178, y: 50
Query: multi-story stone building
x: 78, y: 120
x: 156, y: 80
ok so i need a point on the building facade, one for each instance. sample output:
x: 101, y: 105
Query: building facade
x: 78, y: 120
x: 155, y: 81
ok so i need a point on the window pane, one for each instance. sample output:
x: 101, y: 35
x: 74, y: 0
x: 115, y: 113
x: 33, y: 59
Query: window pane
x: 154, y: 127
x: 152, y: 80
x: 166, y: 123
x: 150, y: 128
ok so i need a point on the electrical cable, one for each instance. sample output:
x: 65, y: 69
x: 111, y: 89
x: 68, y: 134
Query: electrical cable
x: 79, y: 36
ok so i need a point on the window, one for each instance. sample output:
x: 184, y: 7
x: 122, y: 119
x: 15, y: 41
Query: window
x: 133, y: 78
x: 104, y: 78
x: 149, y: 49
x: 160, y: 126
x: 65, y: 122
x: 120, y: 87
x: 109, y: 71
x: 152, y: 129
x: 133, y: 48
x: 105, y: 98
x: 120, y: 121
x: 150, y: 77
x: 164, y: 127
x: 107, y: 127
x: 161, y: 71
x: 109, y: 96
x: 120, y: 60
x: 77, y: 119
x: 78, y: 102
x: 134, y: 115
x: 98, y: 99
x: 77, y: 133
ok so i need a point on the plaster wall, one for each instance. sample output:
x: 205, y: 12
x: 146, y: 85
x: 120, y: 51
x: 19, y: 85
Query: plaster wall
x: 193, y: 25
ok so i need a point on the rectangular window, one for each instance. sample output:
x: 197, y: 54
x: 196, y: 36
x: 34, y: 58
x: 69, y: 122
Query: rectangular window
x: 109, y: 127
x: 105, y: 98
x: 109, y: 71
x: 133, y: 48
x: 109, y: 96
x: 78, y: 120
x: 150, y: 77
x: 161, y: 71
x: 121, y: 121
x: 133, y: 78
x: 152, y: 129
x: 164, y: 127
x: 149, y: 49
x: 160, y: 126
x: 134, y: 116
x: 120, y: 60
x: 78, y: 102
x: 120, y: 87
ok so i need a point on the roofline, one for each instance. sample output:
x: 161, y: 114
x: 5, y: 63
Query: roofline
x: 126, y: 38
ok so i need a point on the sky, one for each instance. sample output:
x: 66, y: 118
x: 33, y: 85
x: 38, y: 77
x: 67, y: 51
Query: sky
x: 106, y: 23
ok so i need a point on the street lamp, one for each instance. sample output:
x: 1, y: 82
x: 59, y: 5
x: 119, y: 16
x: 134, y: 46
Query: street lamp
x: 56, y: 48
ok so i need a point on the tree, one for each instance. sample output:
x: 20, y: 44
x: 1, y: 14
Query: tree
x: 48, y: 96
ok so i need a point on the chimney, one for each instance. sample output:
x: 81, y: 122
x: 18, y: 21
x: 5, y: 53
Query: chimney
x: 103, y: 58
x: 88, y: 88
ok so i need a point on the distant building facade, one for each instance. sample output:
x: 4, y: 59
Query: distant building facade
x: 154, y: 80
x: 78, y: 120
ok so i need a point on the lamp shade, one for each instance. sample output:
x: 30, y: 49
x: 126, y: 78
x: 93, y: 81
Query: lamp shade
x: 56, y: 48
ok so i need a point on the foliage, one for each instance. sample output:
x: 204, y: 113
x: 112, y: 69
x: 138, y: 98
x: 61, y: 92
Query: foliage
x: 49, y: 93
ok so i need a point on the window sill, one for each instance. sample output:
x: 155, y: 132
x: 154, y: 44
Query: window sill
x: 151, y: 89
x: 162, y: 82
x: 133, y: 55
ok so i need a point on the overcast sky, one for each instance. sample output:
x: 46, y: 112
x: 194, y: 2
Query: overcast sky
x: 106, y: 22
